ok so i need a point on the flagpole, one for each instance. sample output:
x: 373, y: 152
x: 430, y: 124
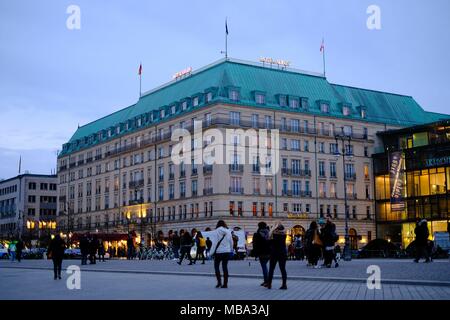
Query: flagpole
x: 226, y: 39
x: 323, y: 56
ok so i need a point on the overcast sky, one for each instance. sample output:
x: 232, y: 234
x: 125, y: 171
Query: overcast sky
x: 53, y: 78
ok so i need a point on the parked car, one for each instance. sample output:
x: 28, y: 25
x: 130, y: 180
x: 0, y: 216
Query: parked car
x: 74, y: 253
x: 33, y: 253
x: 379, y: 248
x: 3, y: 252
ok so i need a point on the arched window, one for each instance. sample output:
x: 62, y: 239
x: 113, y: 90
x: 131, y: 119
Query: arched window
x: 353, y: 238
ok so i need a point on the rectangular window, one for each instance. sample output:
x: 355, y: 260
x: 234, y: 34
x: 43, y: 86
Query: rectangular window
x: 235, y: 118
x: 260, y: 98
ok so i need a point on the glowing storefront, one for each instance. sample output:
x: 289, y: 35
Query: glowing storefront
x: 412, y: 181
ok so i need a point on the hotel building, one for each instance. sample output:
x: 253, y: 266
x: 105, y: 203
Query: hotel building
x: 116, y: 174
x: 28, y: 204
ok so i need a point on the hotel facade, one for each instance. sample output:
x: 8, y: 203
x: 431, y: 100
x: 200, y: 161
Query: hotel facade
x: 28, y: 205
x: 116, y: 174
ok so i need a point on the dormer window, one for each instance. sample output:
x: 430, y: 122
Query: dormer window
x: 293, y: 103
x: 283, y: 101
x: 304, y: 102
x: 109, y: 133
x: 234, y: 95
x: 209, y: 97
x: 363, y: 113
x: 260, y: 98
x: 324, y: 107
x: 162, y: 114
x: 346, y: 110
x: 172, y: 109
x: 118, y: 129
x: 195, y: 101
x: 184, y: 105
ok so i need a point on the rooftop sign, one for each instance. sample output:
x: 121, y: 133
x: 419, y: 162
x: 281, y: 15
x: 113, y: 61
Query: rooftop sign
x: 271, y: 61
x: 182, y: 73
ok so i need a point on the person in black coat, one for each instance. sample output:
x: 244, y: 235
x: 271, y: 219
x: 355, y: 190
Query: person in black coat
x: 278, y: 254
x: 328, y: 237
x: 56, y: 252
x: 186, y: 244
x: 421, y: 241
x: 261, y: 249
x: 176, y: 245
x: 19, y: 248
x: 93, y: 247
x: 84, y: 248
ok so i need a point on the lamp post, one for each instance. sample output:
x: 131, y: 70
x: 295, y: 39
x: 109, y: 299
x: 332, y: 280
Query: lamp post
x: 347, y: 252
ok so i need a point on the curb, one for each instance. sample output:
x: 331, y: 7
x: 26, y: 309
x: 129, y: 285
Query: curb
x: 251, y: 276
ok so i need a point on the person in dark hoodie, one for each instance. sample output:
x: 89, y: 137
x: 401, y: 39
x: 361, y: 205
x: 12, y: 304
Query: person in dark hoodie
x: 328, y: 236
x: 313, y: 244
x: 278, y: 254
x: 56, y: 253
x: 261, y: 249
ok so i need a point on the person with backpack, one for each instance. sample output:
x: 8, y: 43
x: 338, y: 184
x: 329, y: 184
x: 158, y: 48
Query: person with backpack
x: 329, y: 237
x: 201, y: 247
x: 313, y: 245
x: 261, y: 249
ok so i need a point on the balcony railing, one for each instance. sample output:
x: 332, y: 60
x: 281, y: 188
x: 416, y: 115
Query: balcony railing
x: 161, y: 178
x: 350, y: 176
x: 207, y: 191
x: 236, y: 190
x: 194, y: 172
x: 236, y: 168
x: 207, y: 169
x: 171, y: 176
x: 182, y: 173
x: 333, y: 195
x: 352, y: 196
x: 136, y: 183
x: 322, y: 194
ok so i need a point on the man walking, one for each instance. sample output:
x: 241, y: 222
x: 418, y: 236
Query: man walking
x: 84, y: 248
x: 421, y: 242
x: 328, y: 237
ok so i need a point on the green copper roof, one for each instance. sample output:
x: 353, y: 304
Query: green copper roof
x: 249, y: 78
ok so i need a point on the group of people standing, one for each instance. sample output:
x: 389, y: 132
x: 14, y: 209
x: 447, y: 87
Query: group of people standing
x: 320, y: 242
x: 90, y: 246
x: 182, y: 246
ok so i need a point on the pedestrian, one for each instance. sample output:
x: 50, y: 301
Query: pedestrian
x: 186, y: 245
x: 208, y: 247
x: 421, y: 241
x: 298, y: 248
x: 201, y: 247
x: 261, y: 249
x: 176, y: 245
x: 84, y: 249
x: 223, y: 250
x: 313, y: 244
x: 56, y: 253
x: 130, y: 247
x: 291, y: 251
x: 19, y: 248
x: 93, y: 247
x: 12, y: 250
x: 101, y: 251
x: 278, y: 254
x: 329, y: 237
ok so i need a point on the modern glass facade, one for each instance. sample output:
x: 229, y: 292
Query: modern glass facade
x: 424, y: 177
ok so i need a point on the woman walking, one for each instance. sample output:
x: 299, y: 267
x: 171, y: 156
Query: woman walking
x: 261, y: 249
x: 313, y: 244
x: 186, y: 245
x: 201, y: 247
x: 56, y: 252
x: 278, y: 253
x: 222, y: 252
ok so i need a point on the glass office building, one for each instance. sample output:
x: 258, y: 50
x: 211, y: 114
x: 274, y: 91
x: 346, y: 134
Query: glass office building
x: 412, y: 181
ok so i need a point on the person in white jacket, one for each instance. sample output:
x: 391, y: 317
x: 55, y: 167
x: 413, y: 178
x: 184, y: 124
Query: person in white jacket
x: 222, y: 252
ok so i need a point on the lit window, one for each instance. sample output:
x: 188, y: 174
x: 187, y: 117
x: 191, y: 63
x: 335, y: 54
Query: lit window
x: 293, y: 103
x: 260, y: 98
x: 234, y: 95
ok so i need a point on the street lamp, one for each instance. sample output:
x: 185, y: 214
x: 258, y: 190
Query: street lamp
x: 343, y: 137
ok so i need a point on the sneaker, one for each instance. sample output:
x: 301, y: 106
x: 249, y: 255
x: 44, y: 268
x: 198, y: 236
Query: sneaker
x: 284, y: 287
x: 336, y: 265
x: 179, y: 263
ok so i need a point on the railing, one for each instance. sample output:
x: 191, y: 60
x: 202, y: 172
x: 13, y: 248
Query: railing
x: 161, y: 178
x: 182, y: 173
x: 236, y: 168
x: 333, y: 195
x: 256, y: 192
x: 322, y: 194
x: 80, y: 162
x: 62, y: 168
x: 236, y: 190
x: 286, y: 171
x: 88, y: 160
x: 207, y: 169
x: 350, y: 176
x: 171, y: 176
x: 207, y: 191
x: 194, y: 172
x: 352, y: 196
x: 136, y: 183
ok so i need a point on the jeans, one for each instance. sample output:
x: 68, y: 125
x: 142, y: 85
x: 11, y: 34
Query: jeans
x: 421, y: 250
x: 281, y: 260
x: 13, y: 255
x: 328, y: 256
x: 200, y: 254
x: 221, y: 257
x: 176, y: 252
x: 84, y: 258
x: 263, y: 262
x: 57, y: 265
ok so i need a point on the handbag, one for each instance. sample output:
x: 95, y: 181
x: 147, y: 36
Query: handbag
x: 316, y: 240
